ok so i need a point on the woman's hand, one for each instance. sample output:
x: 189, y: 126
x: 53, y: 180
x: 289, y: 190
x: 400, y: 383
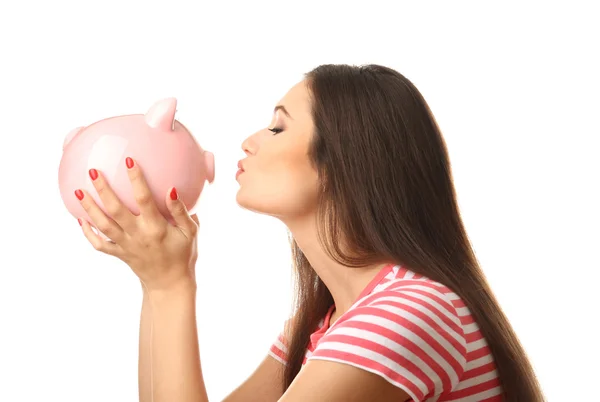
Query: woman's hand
x: 162, y: 255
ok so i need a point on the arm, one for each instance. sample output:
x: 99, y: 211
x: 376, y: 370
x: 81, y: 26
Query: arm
x: 329, y: 381
x: 162, y: 254
x: 176, y: 368
x: 264, y: 385
x: 144, y: 361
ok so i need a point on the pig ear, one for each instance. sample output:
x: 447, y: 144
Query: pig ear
x: 71, y: 135
x: 162, y: 114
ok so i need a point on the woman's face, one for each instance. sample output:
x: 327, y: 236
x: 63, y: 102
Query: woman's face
x: 277, y: 177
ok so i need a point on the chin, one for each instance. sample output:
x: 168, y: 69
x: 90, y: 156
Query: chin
x: 254, y: 204
x: 280, y: 207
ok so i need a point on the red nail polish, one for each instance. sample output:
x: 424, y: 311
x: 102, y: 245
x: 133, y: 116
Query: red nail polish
x: 79, y: 194
x: 173, y: 194
x: 129, y: 162
x: 93, y: 174
x: 80, y: 223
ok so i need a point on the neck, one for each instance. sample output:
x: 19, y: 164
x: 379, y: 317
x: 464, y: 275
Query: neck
x: 344, y: 283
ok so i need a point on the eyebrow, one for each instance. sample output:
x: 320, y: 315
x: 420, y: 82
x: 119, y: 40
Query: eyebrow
x: 284, y: 110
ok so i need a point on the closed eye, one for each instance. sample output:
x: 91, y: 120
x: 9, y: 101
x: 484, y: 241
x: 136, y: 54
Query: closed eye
x: 276, y: 130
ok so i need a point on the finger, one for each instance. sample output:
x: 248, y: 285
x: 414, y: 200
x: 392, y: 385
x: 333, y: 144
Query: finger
x: 180, y: 214
x: 100, y: 244
x: 141, y: 192
x: 195, y: 219
x: 104, y: 224
x: 113, y: 205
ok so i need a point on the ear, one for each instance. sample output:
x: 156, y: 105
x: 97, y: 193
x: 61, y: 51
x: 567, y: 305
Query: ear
x: 71, y: 135
x: 162, y: 114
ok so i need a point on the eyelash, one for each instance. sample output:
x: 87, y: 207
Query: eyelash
x: 276, y: 130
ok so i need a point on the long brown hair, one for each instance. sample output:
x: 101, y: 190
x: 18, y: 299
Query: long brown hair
x: 388, y: 192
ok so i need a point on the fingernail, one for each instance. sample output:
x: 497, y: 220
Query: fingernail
x: 173, y: 194
x: 79, y: 220
x: 93, y: 174
x: 79, y: 194
x: 129, y: 162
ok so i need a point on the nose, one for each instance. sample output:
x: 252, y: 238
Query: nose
x: 250, y: 144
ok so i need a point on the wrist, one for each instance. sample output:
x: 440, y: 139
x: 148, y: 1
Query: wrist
x: 180, y: 289
x: 172, y: 278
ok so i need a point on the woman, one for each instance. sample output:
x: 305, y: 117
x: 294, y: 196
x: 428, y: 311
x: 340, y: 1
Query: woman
x: 391, y: 304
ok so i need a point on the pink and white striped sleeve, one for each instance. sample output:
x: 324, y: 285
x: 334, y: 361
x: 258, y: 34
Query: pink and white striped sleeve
x: 279, y: 350
x: 410, y: 335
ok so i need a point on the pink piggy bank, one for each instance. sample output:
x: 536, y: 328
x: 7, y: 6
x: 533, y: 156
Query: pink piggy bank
x: 162, y: 147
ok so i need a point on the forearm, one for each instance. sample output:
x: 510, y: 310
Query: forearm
x: 144, y: 352
x: 176, y: 368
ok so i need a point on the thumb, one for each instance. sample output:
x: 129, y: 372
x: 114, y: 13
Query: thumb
x: 179, y: 211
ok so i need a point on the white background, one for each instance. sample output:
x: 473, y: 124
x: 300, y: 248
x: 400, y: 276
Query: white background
x: 513, y: 87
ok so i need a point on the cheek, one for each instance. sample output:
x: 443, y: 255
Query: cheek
x: 281, y: 184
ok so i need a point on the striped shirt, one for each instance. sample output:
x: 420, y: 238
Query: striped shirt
x: 415, y: 333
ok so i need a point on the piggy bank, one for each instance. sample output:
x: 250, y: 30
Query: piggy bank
x: 164, y: 149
